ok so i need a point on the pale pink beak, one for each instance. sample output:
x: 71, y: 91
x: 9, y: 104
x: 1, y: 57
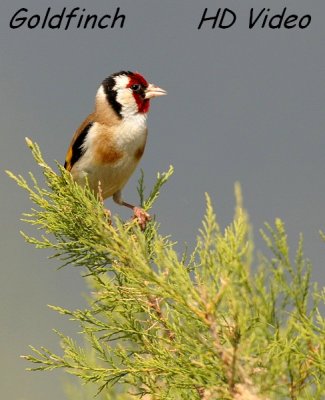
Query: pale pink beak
x: 154, y: 91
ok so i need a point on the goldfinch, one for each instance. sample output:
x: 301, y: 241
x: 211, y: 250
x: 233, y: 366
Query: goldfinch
x: 109, y: 144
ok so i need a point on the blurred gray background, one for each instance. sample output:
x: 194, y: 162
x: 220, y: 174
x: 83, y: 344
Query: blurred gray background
x: 243, y: 105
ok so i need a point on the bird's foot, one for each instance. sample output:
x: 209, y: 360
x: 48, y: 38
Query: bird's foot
x: 141, y: 216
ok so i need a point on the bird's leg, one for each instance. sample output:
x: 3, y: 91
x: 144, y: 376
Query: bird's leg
x: 139, y: 214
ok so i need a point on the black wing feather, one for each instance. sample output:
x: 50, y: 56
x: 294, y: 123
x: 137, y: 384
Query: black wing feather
x: 77, y: 149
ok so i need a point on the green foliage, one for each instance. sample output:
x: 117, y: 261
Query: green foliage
x: 160, y: 325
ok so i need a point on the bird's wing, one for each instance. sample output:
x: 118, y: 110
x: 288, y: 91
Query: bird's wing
x: 75, y: 149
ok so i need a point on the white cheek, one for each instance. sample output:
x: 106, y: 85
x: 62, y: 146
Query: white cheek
x: 125, y: 97
x: 129, y: 105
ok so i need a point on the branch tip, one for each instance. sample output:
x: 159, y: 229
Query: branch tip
x: 29, y: 142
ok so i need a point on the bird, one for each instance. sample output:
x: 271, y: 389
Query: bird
x: 107, y: 147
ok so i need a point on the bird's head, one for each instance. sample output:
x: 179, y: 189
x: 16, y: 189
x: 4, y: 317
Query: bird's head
x: 128, y: 93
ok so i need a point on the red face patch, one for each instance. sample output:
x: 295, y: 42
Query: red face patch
x: 139, y: 95
x: 138, y: 78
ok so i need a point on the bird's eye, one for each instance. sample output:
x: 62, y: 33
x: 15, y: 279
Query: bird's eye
x: 136, y: 87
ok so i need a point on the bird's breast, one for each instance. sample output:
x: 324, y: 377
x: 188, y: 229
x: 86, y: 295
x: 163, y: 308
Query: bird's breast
x: 131, y: 135
x: 117, y: 144
x: 111, y: 154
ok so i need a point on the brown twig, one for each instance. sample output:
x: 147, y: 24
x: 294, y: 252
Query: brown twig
x: 154, y: 303
x: 107, y: 212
